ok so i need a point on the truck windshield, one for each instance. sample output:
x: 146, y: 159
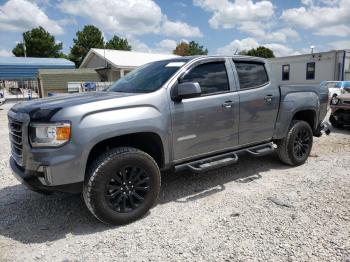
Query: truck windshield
x: 147, y: 78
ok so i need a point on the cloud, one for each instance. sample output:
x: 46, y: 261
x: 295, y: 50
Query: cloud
x: 320, y: 16
x: 344, y: 44
x: 254, y: 18
x: 166, y: 46
x: 138, y: 45
x: 249, y: 43
x: 281, y: 50
x: 263, y: 32
x: 22, y: 15
x: 335, y: 30
x: 128, y: 17
x: 179, y: 29
x: 228, y: 14
x: 237, y: 45
x: 6, y: 53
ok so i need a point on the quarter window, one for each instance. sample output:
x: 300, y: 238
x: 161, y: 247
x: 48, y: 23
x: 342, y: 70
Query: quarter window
x: 212, y: 77
x: 310, y: 71
x: 285, y: 72
x: 251, y: 74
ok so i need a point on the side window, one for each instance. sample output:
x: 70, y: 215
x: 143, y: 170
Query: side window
x: 310, y: 71
x: 251, y: 74
x: 285, y: 72
x: 212, y: 77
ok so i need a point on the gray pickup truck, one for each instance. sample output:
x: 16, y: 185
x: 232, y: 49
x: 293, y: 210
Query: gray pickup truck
x: 188, y: 113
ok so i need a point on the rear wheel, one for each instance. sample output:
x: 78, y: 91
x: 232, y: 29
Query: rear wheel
x: 296, y: 147
x: 122, y: 185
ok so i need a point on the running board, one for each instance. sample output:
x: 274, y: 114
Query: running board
x: 210, y: 163
x: 261, y: 150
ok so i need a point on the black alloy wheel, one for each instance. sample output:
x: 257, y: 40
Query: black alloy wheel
x: 127, y: 189
x: 122, y: 185
x: 302, y: 143
x: 294, y: 149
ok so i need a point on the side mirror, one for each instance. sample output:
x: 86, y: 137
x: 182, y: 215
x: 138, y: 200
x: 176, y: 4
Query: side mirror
x: 186, y: 90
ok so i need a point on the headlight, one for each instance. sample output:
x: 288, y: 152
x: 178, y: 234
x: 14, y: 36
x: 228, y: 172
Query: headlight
x: 334, y: 100
x: 49, y: 134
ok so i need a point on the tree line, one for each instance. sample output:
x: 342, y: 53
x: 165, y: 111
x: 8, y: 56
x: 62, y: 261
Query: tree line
x: 40, y: 43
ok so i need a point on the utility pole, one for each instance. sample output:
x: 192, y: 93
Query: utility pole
x: 312, y: 49
x: 24, y: 48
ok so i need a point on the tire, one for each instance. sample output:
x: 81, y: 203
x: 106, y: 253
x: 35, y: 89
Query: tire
x: 122, y: 185
x: 291, y: 150
x: 334, y: 122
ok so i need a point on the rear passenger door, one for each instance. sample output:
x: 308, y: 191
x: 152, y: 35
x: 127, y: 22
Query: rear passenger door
x: 259, y: 102
x: 208, y: 123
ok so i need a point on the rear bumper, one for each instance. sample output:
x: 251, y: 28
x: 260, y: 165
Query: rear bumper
x: 32, y: 180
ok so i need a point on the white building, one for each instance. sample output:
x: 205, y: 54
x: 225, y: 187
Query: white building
x: 312, y: 68
x: 113, y: 64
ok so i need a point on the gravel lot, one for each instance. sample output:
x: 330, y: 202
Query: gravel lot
x: 255, y: 210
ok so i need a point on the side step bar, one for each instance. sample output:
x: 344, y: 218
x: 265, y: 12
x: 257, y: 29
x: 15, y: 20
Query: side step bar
x: 226, y: 159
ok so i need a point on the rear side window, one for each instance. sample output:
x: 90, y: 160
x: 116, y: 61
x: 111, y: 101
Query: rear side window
x: 212, y: 77
x: 251, y: 74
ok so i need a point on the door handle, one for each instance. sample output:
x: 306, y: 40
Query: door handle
x: 227, y: 104
x: 268, y: 98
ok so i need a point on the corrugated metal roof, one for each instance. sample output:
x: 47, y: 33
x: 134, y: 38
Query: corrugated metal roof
x: 125, y: 59
x: 67, y: 71
x: 17, y: 68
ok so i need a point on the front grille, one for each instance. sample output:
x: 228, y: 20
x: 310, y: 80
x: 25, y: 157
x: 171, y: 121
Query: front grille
x: 15, y: 128
x: 346, y: 102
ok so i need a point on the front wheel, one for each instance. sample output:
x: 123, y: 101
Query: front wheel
x: 122, y: 185
x: 334, y: 122
x: 295, y: 148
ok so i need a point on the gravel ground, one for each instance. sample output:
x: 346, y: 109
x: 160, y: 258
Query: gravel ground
x: 255, y: 210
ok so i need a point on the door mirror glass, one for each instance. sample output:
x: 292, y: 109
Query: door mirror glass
x: 186, y: 90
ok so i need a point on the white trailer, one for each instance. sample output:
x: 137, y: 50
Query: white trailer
x: 312, y: 68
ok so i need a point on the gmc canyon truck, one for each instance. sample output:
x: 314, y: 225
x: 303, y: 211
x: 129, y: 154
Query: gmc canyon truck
x: 188, y: 113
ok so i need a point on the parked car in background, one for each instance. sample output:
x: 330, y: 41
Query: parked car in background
x: 337, y: 87
x: 340, y: 110
x: 2, y: 98
x: 186, y: 113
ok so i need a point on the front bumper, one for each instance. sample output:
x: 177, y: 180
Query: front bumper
x: 341, y: 114
x: 35, y: 181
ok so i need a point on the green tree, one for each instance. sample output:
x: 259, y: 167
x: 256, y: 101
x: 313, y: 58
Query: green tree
x: 118, y: 43
x: 89, y: 37
x: 188, y: 49
x: 38, y: 43
x: 196, y: 49
x: 261, y: 51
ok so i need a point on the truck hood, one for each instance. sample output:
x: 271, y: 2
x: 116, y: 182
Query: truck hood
x: 344, y: 96
x: 44, y: 109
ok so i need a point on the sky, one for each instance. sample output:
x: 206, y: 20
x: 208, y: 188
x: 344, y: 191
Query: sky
x: 288, y: 27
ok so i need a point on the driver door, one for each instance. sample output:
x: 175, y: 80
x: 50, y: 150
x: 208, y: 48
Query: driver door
x: 208, y: 123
